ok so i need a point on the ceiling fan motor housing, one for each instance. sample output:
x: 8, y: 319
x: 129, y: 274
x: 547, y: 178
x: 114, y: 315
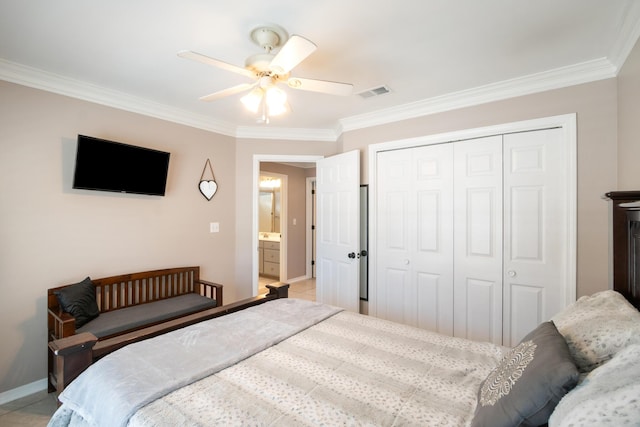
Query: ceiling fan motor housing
x: 269, y: 37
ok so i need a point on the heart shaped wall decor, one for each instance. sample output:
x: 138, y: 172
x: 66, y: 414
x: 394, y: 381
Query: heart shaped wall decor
x: 208, y: 188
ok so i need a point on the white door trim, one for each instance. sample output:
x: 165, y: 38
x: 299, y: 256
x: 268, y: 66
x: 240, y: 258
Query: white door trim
x: 308, y: 232
x: 566, y: 121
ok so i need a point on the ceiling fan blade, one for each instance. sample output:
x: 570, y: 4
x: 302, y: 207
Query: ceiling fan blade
x: 323, y: 86
x: 215, y: 62
x: 226, y: 92
x: 294, y: 51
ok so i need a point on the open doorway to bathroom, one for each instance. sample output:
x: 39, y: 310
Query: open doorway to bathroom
x: 293, y: 247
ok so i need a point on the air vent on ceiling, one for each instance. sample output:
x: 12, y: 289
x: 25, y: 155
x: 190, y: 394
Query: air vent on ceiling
x: 376, y: 91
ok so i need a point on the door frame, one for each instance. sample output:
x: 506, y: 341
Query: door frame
x: 310, y: 233
x: 567, y: 122
x: 257, y: 159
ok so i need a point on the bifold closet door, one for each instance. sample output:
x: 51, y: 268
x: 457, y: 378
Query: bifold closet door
x: 414, y: 205
x: 478, y: 239
x: 536, y: 230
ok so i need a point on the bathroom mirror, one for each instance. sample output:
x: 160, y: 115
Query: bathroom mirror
x: 269, y: 201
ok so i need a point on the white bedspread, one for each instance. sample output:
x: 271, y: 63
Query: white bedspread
x: 111, y: 390
x: 349, y: 369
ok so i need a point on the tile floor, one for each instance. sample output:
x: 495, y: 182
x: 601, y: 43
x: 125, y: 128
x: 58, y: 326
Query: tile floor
x: 36, y: 410
x: 30, y: 411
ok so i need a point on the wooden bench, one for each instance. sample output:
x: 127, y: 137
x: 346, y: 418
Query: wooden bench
x: 135, y: 294
x: 130, y: 290
x: 72, y: 355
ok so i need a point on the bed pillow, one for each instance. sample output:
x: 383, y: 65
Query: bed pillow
x: 528, y: 383
x: 608, y: 396
x: 79, y: 300
x: 596, y: 327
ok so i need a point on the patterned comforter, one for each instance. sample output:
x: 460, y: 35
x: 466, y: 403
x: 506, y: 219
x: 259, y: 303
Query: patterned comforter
x: 349, y: 369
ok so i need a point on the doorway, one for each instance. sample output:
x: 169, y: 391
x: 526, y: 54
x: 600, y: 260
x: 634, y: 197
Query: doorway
x: 272, y: 208
x: 272, y: 158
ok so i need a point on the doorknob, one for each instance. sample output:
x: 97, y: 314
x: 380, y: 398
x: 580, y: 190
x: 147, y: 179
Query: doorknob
x: 352, y: 255
x: 511, y: 273
x: 363, y: 252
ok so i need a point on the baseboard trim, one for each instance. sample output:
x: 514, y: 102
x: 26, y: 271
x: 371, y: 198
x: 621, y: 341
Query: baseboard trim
x: 22, y: 391
x: 297, y: 279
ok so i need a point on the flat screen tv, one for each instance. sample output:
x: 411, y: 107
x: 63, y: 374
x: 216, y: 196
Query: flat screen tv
x: 113, y: 166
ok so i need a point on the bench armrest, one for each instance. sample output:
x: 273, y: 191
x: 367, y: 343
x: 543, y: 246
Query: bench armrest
x: 61, y: 324
x: 211, y: 290
x: 68, y: 357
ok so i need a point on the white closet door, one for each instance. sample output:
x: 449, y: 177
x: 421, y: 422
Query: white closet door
x: 478, y: 239
x: 414, y: 271
x: 536, y: 230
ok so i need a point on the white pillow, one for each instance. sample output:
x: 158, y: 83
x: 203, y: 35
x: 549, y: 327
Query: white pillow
x: 608, y: 396
x: 596, y: 327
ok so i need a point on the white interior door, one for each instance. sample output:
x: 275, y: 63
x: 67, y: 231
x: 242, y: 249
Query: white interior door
x: 338, y: 230
x: 414, y: 207
x: 478, y: 239
x: 537, y: 235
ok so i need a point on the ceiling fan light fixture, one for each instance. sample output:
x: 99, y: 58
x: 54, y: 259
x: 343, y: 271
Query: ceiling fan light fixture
x: 276, y: 100
x: 253, y: 99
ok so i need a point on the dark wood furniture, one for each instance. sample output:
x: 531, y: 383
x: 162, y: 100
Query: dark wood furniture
x: 128, y: 290
x: 72, y: 355
x: 114, y: 293
x: 625, y: 223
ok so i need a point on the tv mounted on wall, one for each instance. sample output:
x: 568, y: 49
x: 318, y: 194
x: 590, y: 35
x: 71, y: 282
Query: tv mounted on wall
x: 113, y: 166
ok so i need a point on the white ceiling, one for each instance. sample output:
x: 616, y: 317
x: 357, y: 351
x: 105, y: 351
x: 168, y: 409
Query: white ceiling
x: 434, y: 55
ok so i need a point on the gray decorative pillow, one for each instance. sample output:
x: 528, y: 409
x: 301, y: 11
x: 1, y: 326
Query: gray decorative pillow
x: 596, y: 327
x: 79, y: 300
x: 528, y: 383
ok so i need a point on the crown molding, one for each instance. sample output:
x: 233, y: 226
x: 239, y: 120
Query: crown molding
x: 562, y: 77
x: 295, y: 134
x: 51, y: 82
x: 554, y: 79
x: 627, y: 37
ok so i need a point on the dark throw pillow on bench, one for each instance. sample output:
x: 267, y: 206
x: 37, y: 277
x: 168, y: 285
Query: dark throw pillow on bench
x: 79, y: 300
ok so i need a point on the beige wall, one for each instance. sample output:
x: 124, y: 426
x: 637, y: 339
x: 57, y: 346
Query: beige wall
x: 296, y: 209
x: 596, y: 108
x: 629, y: 122
x: 52, y: 235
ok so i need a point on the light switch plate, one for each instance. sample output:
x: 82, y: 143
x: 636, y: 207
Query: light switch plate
x: 214, y: 227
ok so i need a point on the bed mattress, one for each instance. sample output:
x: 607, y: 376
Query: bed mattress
x: 348, y: 369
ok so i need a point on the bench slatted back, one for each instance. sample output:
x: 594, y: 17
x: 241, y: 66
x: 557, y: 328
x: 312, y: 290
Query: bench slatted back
x: 140, y: 288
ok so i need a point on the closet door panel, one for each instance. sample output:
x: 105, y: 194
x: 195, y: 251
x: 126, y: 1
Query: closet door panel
x: 478, y: 239
x: 414, y: 229
x: 482, y: 314
x: 394, y: 295
x: 428, y: 287
x: 536, y: 243
x: 526, y: 309
x: 433, y: 247
x: 527, y: 218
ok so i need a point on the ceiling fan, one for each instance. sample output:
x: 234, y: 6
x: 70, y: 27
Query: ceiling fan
x: 268, y: 69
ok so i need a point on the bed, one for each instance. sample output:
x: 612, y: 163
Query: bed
x: 295, y: 362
